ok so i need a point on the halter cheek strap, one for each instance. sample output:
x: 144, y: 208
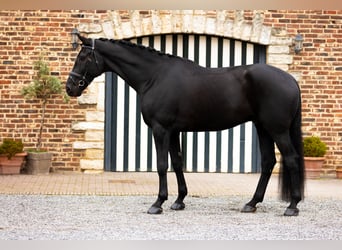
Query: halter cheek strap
x: 83, y: 78
x: 92, y: 48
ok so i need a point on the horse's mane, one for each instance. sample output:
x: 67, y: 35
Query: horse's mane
x: 143, y: 47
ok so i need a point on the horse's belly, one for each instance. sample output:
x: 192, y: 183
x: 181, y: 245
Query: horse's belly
x: 212, y: 121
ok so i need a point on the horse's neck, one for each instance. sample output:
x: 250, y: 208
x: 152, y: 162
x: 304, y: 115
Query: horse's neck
x: 136, y: 66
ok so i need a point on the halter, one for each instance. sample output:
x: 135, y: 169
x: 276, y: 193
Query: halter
x: 83, y: 79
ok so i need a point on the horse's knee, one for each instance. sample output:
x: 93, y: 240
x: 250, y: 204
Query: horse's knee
x: 177, y: 161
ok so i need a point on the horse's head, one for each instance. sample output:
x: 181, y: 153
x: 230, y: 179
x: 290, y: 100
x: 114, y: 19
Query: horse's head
x: 88, y: 65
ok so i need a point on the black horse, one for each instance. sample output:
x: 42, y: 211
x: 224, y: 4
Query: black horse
x: 178, y: 95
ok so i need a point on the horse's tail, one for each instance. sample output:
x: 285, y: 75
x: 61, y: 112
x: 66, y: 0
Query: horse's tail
x: 297, y: 142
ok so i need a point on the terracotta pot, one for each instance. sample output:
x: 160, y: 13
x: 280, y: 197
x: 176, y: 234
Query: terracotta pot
x: 313, y: 166
x: 339, y: 173
x: 13, y: 165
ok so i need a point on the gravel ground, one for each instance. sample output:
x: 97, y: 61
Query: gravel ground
x: 43, y: 217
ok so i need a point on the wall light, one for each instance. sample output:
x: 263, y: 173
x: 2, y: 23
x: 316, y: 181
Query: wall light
x: 298, y: 43
x: 74, y: 38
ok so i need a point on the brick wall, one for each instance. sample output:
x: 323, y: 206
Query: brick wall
x: 320, y: 67
x: 319, y: 71
x: 23, y: 34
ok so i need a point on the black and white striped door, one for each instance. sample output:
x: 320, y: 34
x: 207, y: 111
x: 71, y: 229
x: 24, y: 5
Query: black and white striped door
x: 128, y: 141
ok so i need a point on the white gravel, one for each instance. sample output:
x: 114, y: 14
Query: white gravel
x: 41, y: 217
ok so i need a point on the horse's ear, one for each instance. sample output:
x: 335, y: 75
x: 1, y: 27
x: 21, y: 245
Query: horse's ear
x: 84, y: 40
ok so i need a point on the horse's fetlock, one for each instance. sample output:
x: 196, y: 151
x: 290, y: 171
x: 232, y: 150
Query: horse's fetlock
x: 162, y: 197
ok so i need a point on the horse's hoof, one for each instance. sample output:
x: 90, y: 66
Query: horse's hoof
x: 155, y: 210
x: 178, y: 206
x: 291, y: 212
x: 248, y: 209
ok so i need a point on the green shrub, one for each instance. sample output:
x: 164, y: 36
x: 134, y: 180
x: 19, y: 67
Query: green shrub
x: 44, y: 88
x: 314, y: 147
x: 11, y: 147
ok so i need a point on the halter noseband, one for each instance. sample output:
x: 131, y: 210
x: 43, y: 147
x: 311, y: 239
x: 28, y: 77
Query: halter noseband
x: 83, y: 80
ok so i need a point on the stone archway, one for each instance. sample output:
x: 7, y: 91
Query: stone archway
x: 130, y: 24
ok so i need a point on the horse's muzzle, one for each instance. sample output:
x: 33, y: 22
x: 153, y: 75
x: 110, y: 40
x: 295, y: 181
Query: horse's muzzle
x: 71, y: 89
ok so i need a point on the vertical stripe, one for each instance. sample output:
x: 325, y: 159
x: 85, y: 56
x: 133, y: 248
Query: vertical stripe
x: 190, y: 135
x: 237, y: 130
x: 110, y: 122
x: 149, y: 133
x: 248, y: 147
x: 107, y: 159
x: 231, y: 131
x: 162, y: 47
x: 259, y: 56
x: 126, y: 128
x: 206, y: 134
x: 236, y: 149
x: 201, y: 135
x: 242, y: 126
x: 120, y: 124
x: 225, y: 133
x: 242, y: 148
x: 174, y: 44
x: 232, y: 53
x: 185, y: 54
x: 137, y: 134
x: 115, y: 125
x: 219, y: 133
x: 183, y: 141
x: 144, y: 130
x: 131, y: 130
x: 230, y: 150
x: 195, y: 134
x: 213, y: 136
x: 248, y: 161
x: 138, y: 128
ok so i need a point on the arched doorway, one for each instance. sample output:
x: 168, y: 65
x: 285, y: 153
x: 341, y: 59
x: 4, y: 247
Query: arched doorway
x: 128, y: 141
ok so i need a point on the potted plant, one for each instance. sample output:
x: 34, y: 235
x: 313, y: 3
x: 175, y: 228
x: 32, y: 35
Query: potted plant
x: 43, y: 88
x: 339, y: 169
x: 12, y: 156
x: 314, y: 151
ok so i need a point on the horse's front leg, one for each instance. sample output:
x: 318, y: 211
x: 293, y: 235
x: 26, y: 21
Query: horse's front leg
x: 162, y: 140
x: 177, y: 163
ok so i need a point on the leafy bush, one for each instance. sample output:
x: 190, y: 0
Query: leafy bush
x: 314, y: 147
x: 11, y: 147
x: 44, y: 85
x: 43, y: 88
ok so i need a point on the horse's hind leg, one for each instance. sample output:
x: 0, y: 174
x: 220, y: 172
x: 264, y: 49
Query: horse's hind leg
x: 290, y: 175
x: 177, y: 163
x: 268, y: 161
